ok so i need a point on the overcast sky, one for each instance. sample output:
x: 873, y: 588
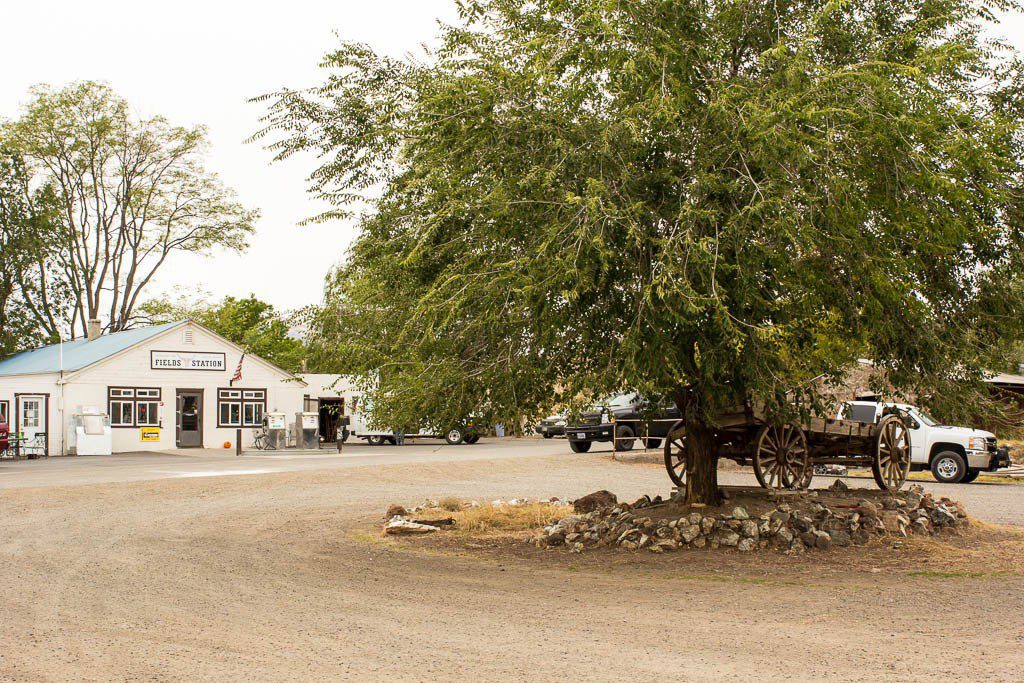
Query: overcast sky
x: 197, y: 62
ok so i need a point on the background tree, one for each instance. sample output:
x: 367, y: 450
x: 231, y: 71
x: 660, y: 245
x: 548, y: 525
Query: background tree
x: 132, y: 192
x: 28, y: 239
x: 714, y: 202
x: 248, y: 322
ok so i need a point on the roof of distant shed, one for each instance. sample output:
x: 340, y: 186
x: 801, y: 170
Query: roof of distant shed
x: 79, y: 353
x: 1006, y: 379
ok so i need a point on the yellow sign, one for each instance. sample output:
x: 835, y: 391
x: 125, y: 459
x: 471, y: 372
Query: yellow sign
x: 150, y: 434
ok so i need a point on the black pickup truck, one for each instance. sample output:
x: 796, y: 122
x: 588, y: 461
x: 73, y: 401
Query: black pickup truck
x: 624, y: 418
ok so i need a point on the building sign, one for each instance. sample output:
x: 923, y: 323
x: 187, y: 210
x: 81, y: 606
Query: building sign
x: 149, y: 434
x: 184, y: 360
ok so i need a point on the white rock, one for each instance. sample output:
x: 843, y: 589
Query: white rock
x: 397, y: 525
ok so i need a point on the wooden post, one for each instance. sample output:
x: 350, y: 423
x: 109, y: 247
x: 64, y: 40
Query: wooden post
x: 238, y: 442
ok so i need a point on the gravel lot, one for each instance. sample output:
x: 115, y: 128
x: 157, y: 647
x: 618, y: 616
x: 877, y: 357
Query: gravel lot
x: 155, y: 567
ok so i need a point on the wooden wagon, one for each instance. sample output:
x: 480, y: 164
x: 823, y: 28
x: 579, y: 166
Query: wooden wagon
x: 784, y: 455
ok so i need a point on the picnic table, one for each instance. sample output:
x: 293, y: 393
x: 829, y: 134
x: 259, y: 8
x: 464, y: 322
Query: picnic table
x: 13, y: 446
x: 18, y: 446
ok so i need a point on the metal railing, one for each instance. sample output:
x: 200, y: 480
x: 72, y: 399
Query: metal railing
x: 645, y: 439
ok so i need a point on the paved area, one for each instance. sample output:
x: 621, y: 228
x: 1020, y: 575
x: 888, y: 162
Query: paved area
x: 185, y: 568
x: 72, y: 471
x: 999, y: 503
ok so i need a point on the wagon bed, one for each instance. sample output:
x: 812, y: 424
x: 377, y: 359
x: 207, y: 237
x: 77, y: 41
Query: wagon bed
x: 783, y: 455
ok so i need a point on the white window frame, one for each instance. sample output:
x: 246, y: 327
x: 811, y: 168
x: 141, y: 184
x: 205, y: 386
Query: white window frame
x: 117, y: 412
x: 252, y: 413
x: 251, y: 405
x: 118, y: 397
x: 152, y: 411
x: 224, y: 411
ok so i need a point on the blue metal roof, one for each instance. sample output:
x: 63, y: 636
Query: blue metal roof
x: 79, y: 353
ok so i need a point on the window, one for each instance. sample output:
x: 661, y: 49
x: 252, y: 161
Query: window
x: 121, y: 414
x: 241, y: 407
x: 860, y: 412
x: 230, y: 414
x: 5, y: 411
x: 146, y: 414
x: 252, y: 413
x: 30, y: 413
x: 133, y: 406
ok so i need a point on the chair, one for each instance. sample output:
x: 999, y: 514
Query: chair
x: 36, y: 446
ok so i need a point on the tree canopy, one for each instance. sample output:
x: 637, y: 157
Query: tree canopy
x: 709, y: 201
x: 130, y: 193
x: 29, y: 217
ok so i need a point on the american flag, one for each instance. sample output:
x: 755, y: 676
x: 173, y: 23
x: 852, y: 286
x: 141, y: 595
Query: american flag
x: 238, y: 371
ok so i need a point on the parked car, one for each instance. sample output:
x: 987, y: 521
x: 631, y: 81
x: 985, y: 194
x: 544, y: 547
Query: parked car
x: 624, y: 419
x: 551, y: 426
x: 953, y: 454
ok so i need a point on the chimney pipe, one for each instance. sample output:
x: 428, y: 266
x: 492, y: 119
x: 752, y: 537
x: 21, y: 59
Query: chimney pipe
x: 92, y: 329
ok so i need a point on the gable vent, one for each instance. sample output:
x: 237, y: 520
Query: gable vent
x: 186, y: 336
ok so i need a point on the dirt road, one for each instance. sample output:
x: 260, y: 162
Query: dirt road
x: 279, y: 576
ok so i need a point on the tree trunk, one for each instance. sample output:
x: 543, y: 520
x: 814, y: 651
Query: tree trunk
x: 701, y: 464
x: 701, y: 451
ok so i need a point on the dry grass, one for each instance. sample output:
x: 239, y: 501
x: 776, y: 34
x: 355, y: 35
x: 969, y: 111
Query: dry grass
x: 508, y: 518
x: 450, y: 504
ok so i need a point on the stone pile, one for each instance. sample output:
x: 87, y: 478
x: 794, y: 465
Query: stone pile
x: 805, y: 522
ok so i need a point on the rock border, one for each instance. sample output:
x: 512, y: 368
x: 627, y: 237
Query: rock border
x: 791, y: 528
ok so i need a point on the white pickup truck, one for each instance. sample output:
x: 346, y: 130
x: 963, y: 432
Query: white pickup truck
x: 953, y: 454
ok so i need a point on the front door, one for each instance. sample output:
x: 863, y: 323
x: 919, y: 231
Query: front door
x: 32, y: 423
x: 189, y: 418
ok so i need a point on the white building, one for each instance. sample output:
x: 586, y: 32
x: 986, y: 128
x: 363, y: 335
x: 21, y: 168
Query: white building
x: 167, y: 386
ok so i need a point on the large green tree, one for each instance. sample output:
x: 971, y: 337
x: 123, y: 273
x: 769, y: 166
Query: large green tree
x: 711, y: 201
x: 29, y: 238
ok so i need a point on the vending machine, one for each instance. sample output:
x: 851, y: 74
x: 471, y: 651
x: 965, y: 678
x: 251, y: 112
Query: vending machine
x: 90, y: 432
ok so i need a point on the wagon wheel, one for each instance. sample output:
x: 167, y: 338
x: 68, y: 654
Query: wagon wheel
x: 675, y: 454
x: 891, y: 463
x: 805, y: 483
x: 782, y: 458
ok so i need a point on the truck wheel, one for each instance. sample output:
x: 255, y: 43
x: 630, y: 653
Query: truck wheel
x: 548, y: 436
x: 454, y: 436
x: 949, y: 467
x: 624, y: 438
x: 579, y: 446
x: 375, y: 440
x: 472, y: 439
x: 970, y: 476
x: 653, y: 443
